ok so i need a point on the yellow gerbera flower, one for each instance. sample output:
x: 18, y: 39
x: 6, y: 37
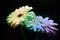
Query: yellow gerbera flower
x: 16, y: 17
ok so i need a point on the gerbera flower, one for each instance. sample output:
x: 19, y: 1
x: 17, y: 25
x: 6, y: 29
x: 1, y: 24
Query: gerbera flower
x: 41, y: 24
x: 18, y: 15
x: 49, y: 25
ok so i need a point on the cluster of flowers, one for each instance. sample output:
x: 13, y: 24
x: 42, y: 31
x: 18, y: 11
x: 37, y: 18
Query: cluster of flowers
x: 24, y: 16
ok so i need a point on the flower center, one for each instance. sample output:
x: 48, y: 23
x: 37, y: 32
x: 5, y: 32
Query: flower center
x: 20, y: 15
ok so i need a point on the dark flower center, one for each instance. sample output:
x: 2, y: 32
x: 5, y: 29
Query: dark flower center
x: 20, y: 15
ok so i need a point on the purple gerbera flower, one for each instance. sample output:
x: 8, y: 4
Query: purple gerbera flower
x: 49, y: 25
x: 45, y: 24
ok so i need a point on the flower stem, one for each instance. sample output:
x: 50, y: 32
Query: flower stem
x: 22, y: 32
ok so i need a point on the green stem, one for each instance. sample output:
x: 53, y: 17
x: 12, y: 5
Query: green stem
x: 22, y: 32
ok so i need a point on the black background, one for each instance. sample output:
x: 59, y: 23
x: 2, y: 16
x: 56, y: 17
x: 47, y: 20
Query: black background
x: 45, y: 8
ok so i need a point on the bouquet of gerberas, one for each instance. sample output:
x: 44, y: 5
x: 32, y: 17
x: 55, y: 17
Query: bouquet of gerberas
x: 24, y: 16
